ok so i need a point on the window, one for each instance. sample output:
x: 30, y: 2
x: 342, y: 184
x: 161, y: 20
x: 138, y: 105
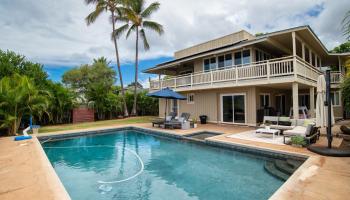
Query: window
x: 228, y: 60
x: 246, y: 56
x: 210, y: 64
x: 335, y: 98
x: 313, y: 59
x: 304, y: 100
x: 206, y: 65
x: 307, y: 55
x: 224, y: 61
x: 261, y: 56
x: 238, y: 58
x: 190, y: 98
x: 264, y: 100
x: 221, y: 61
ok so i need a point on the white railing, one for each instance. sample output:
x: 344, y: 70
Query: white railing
x: 270, y: 69
x: 336, y: 77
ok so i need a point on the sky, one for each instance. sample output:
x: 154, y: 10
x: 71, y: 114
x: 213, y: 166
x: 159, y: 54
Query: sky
x: 54, y: 33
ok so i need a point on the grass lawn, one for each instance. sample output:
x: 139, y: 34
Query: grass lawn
x: 64, y: 127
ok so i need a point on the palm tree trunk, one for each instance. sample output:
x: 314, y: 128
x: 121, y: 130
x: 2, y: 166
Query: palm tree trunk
x: 126, y: 113
x: 134, y: 111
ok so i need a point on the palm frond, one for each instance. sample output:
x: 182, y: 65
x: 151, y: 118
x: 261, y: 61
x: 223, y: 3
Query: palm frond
x: 119, y: 32
x: 150, y: 9
x: 91, y: 18
x: 144, y: 39
x: 153, y: 26
x: 132, y: 28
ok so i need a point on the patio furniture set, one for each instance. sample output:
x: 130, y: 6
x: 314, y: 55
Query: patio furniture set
x: 172, y: 122
x: 290, y: 127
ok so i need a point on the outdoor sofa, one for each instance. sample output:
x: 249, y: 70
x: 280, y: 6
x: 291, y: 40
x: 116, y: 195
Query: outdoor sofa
x: 177, y: 123
x: 284, y: 123
x: 161, y: 121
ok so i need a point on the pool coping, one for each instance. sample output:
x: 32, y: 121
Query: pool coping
x: 285, y: 191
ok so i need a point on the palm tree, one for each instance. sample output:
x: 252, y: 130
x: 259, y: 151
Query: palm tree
x: 113, y: 7
x: 19, y: 96
x: 138, y: 14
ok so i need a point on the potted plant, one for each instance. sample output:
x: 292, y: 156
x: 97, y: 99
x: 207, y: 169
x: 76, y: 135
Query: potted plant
x: 298, y: 141
x: 194, y: 122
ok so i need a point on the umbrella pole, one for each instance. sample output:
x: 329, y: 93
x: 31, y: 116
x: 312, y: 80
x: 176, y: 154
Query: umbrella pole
x: 329, y: 106
x: 166, y: 106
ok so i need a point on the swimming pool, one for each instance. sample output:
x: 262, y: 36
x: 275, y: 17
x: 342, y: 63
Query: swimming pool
x: 129, y: 164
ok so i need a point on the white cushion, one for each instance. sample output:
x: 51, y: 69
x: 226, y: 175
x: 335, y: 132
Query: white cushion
x: 181, y: 119
x: 167, y: 118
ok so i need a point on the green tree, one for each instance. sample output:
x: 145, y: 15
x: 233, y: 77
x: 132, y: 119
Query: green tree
x: 111, y: 6
x: 138, y: 21
x: 12, y: 63
x: 346, y: 93
x: 94, y: 84
x: 18, y: 97
x: 343, y: 48
x: 62, y: 101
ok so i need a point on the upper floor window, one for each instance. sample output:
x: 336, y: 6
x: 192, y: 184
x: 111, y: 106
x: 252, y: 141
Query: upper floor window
x: 307, y: 55
x: 246, y: 57
x: 242, y: 57
x: 261, y: 56
x: 238, y: 58
x: 224, y: 61
x: 209, y: 64
x: 335, y: 98
x: 313, y: 59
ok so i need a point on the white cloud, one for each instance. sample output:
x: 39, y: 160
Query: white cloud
x: 54, y: 32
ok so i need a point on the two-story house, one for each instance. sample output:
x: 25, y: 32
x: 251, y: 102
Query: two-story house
x: 240, y: 77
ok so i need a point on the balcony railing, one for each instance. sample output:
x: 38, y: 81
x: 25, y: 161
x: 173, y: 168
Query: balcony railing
x: 269, y: 69
x: 336, y: 77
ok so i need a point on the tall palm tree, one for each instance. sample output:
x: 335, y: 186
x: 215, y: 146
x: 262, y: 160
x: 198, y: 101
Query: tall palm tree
x: 111, y: 6
x: 346, y: 25
x: 138, y: 14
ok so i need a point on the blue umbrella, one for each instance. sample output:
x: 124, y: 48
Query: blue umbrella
x: 166, y: 93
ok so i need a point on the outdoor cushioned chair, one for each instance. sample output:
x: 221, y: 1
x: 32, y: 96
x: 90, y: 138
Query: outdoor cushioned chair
x: 161, y: 121
x: 345, y: 130
x: 177, y: 123
x: 311, y: 133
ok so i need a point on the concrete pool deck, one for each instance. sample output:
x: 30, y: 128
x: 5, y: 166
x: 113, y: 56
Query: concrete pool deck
x: 26, y: 173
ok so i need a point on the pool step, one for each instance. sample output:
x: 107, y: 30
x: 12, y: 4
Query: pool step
x: 271, y: 168
x: 282, y: 169
x: 285, y: 167
x: 294, y: 163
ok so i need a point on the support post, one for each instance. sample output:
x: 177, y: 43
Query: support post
x: 294, y: 55
x: 268, y: 70
x: 295, y: 95
x: 329, y: 108
x: 312, y: 102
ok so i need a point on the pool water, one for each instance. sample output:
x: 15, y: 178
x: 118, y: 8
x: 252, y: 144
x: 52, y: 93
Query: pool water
x: 132, y: 165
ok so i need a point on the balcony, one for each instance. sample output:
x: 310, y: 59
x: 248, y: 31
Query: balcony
x: 278, y: 70
x: 336, y: 77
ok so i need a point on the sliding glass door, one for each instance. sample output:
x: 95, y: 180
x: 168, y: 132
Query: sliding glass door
x: 233, y: 108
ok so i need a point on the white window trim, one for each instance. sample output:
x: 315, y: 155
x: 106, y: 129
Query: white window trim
x: 222, y: 111
x: 190, y: 102
x: 340, y: 103
x: 265, y: 94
